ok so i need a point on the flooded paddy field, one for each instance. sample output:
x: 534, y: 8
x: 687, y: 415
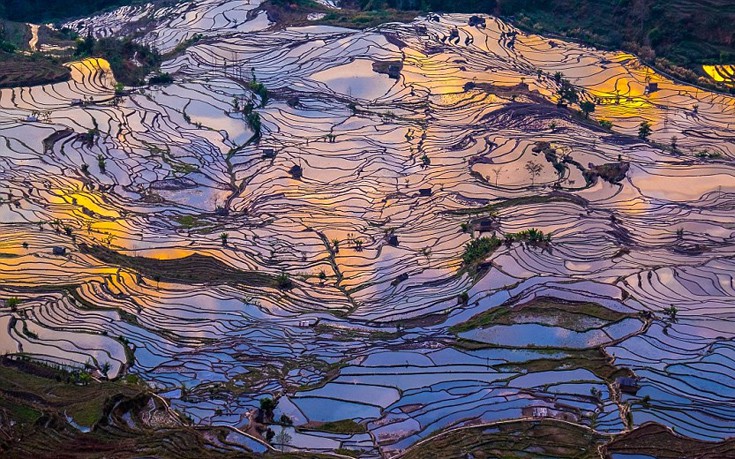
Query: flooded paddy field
x: 319, y: 256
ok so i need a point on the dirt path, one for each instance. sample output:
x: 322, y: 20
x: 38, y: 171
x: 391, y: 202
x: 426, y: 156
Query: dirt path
x: 34, y: 38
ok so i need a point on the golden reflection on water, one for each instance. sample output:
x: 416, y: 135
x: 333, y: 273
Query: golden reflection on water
x: 83, y: 69
x: 721, y: 73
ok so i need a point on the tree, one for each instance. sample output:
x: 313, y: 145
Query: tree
x: 644, y: 130
x: 284, y: 282
x: 671, y: 312
x: 267, y: 405
x: 283, y: 438
x: 497, y: 171
x: 587, y: 108
x: 567, y: 93
x: 534, y: 169
x: 12, y: 303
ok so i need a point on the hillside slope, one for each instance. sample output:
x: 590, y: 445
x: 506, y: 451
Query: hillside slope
x: 679, y: 36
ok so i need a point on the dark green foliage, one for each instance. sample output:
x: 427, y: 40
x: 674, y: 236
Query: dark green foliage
x: 532, y: 235
x: 463, y: 6
x: 161, y: 79
x: 478, y: 249
x: 47, y: 10
x: 267, y: 404
x: 260, y: 90
x: 644, y: 130
x: 284, y: 281
x: 7, y: 47
x: 566, y: 92
x: 254, y: 123
x: 684, y: 31
x: 587, y: 107
x: 12, y: 303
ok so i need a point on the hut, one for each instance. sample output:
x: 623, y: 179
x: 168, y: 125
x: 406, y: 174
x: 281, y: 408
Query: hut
x: 425, y: 192
x: 651, y: 87
x: 269, y: 153
x: 628, y: 385
x: 76, y: 102
x: 477, y: 21
x: 296, y: 171
x: 485, y: 225
x: 57, y: 250
x: 540, y: 412
x: 393, y: 240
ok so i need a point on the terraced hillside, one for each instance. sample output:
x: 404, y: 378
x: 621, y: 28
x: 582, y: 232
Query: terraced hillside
x: 366, y: 243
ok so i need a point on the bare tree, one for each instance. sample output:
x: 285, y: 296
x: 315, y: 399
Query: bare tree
x: 534, y: 169
x: 283, y: 438
x: 497, y: 171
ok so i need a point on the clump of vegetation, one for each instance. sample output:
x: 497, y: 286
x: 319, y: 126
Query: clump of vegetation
x: 259, y: 89
x: 565, y: 91
x: 644, y: 130
x: 102, y: 163
x: 531, y: 235
x: 344, y: 426
x: 587, y: 107
x: 284, y: 281
x: 12, y: 303
x: 267, y: 405
x: 187, y: 221
x: 671, y: 313
x: 605, y: 124
x: 705, y: 154
x: 254, y: 122
x: 478, y: 249
x: 161, y: 79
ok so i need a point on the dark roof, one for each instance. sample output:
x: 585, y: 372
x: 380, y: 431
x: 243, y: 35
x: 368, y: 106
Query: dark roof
x: 627, y: 381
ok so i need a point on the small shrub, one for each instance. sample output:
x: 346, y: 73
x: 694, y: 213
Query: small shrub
x: 284, y: 281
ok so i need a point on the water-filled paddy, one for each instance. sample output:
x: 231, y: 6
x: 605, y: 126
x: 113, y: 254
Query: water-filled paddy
x: 414, y: 158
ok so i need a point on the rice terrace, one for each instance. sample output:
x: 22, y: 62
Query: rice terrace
x: 367, y: 229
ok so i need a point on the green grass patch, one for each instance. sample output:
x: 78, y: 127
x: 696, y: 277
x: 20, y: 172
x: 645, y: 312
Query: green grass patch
x: 478, y: 249
x: 187, y: 221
